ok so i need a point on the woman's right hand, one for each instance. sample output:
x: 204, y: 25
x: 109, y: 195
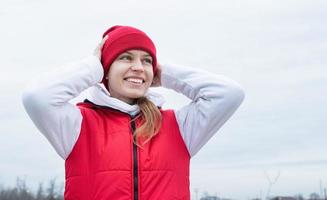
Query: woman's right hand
x: 156, y: 82
x: 98, y: 49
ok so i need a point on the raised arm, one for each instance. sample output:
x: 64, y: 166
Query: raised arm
x: 47, y: 102
x: 214, y: 99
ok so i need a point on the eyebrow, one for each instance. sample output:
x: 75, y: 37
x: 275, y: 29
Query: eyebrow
x: 143, y: 55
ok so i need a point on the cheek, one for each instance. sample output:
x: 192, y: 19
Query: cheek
x: 151, y: 78
x: 112, y: 79
x: 150, y: 75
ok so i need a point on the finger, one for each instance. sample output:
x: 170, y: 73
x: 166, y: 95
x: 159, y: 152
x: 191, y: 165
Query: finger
x: 102, y: 42
x: 104, y: 39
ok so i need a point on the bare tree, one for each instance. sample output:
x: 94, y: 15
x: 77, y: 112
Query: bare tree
x: 40, y: 192
x: 22, y: 192
x: 299, y: 197
x: 314, y: 196
x: 51, y: 190
x: 271, y: 182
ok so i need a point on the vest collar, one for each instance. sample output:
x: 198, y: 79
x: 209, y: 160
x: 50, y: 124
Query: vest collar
x: 99, y: 95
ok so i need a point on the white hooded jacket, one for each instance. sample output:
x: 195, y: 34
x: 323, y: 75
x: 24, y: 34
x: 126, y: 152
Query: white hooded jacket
x: 214, y: 98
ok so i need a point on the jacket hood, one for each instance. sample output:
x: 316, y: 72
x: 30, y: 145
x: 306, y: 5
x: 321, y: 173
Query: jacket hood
x: 99, y: 95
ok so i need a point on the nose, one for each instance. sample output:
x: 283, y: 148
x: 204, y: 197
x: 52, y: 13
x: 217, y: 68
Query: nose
x: 137, y: 65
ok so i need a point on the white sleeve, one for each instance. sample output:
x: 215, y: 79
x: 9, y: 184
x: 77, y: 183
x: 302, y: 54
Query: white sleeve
x: 214, y: 99
x: 46, y: 101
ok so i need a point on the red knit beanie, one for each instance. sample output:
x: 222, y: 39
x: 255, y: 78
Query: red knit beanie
x: 121, y: 39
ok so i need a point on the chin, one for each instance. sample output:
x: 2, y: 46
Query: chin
x: 136, y: 96
x: 132, y: 95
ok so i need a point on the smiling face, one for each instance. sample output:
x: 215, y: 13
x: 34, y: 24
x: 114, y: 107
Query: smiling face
x: 130, y: 75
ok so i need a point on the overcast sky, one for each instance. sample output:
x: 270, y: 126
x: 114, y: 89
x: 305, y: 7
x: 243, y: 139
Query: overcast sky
x: 275, y: 49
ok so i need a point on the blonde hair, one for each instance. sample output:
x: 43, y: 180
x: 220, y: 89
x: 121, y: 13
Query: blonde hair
x: 150, y: 120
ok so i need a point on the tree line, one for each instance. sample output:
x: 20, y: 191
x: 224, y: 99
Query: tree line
x: 21, y: 192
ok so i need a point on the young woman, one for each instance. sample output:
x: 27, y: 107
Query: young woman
x: 119, y: 143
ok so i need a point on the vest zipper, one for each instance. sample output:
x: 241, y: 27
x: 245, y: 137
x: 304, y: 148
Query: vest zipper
x: 135, y: 171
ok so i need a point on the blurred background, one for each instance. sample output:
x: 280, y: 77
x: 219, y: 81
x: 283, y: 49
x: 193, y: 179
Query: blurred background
x: 274, y: 144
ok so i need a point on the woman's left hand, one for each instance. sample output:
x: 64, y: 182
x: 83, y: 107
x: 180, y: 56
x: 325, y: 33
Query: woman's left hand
x: 98, y: 49
x: 157, y: 78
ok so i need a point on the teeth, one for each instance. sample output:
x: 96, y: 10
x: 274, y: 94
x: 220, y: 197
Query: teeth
x: 134, y: 80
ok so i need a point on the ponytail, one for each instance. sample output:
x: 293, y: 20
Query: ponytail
x: 150, y: 120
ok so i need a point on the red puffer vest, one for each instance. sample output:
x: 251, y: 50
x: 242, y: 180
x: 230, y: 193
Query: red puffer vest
x: 105, y: 164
